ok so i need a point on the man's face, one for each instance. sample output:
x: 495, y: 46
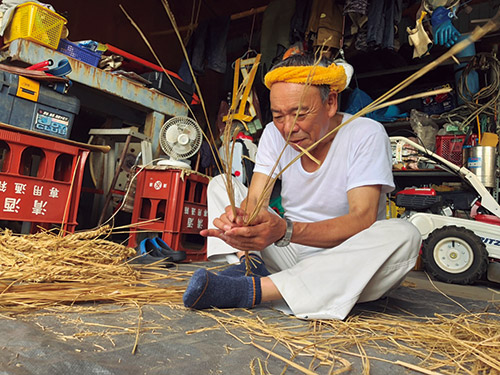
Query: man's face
x: 313, y: 119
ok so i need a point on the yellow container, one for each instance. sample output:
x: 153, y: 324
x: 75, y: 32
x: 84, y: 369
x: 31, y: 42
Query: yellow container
x: 36, y: 23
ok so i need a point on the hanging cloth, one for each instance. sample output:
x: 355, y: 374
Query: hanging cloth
x: 419, y: 39
x: 207, y: 48
x: 275, y: 34
x: 326, y: 22
x: 356, y: 10
x: 300, y: 21
x: 383, y: 16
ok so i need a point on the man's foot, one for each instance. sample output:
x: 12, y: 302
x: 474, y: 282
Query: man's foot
x: 207, y: 289
x: 257, y: 267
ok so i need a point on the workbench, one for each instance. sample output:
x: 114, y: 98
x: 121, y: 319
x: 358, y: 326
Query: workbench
x: 101, y: 91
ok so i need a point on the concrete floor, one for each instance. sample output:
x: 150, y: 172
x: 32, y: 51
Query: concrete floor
x: 99, y: 339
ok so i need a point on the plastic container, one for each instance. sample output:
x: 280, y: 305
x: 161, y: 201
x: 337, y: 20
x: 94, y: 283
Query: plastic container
x: 45, y: 111
x: 36, y: 23
x: 450, y: 147
x: 40, y: 177
x: 161, y: 82
x: 175, y: 205
x: 79, y: 53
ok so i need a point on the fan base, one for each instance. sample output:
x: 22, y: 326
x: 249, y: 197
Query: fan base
x: 174, y: 163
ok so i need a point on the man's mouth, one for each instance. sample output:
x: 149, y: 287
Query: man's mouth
x: 296, y: 142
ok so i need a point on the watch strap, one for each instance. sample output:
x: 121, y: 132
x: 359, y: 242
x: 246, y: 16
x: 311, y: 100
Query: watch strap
x: 285, y: 240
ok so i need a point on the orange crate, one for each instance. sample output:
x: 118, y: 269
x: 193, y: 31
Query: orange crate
x: 36, y: 23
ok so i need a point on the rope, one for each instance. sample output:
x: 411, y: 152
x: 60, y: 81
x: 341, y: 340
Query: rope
x: 193, y: 22
x: 251, y: 33
x: 484, y: 101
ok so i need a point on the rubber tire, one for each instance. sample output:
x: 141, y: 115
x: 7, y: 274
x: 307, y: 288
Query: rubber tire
x: 475, y: 271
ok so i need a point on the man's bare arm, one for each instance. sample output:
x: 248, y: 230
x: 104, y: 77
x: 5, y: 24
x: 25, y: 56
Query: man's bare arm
x: 363, y: 208
x: 255, y: 192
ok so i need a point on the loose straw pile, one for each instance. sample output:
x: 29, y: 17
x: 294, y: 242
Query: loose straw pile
x: 446, y: 344
x: 44, y: 269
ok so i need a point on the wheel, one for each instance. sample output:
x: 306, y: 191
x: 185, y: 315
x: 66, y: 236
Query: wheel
x: 455, y: 255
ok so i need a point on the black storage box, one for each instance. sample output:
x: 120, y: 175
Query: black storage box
x: 161, y: 82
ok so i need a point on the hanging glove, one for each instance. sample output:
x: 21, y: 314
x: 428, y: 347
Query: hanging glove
x: 419, y: 39
x: 445, y: 33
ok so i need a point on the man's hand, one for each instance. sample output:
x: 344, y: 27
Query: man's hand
x: 225, y: 222
x: 265, y: 229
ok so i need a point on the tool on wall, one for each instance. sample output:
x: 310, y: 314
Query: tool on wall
x: 242, y: 103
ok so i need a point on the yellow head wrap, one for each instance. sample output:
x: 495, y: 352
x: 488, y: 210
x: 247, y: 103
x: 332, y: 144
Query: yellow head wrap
x: 333, y: 75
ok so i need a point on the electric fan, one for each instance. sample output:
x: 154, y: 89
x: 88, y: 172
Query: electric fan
x: 180, y: 138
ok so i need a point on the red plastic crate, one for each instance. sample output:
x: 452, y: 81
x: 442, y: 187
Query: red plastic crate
x: 450, y: 147
x: 178, y: 202
x: 36, y: 177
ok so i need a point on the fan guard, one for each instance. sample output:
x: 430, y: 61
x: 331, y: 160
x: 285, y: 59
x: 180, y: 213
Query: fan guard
x: 180, y: 137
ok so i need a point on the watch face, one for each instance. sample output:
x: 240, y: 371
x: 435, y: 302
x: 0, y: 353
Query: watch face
x: 282, y: 243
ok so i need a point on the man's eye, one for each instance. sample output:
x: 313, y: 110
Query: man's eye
x: 301, y: 116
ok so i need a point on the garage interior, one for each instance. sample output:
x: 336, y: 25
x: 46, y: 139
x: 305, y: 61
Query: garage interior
x: 92, y: 107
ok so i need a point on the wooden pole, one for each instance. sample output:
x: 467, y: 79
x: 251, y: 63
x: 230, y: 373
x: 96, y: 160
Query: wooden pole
x: 236, y: 16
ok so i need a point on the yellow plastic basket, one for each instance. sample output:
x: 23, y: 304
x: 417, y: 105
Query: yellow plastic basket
x: 36, y: 23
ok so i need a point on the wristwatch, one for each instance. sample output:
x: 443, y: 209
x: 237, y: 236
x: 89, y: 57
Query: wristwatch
x: 285, y: 240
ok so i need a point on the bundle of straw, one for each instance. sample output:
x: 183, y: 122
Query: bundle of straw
x: 45, y: 257
x: 45, y: 269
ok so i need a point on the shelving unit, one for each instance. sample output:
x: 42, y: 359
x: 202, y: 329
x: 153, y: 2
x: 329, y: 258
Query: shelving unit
x: 376, y: 83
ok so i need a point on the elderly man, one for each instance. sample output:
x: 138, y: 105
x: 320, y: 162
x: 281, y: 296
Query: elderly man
x: 334, y: 247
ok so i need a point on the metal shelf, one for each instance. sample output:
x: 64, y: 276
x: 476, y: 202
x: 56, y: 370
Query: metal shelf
x: 85, y: 74
x: 406, y: 69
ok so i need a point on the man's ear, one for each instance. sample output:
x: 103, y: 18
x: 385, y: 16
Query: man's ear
x: 332, y: 103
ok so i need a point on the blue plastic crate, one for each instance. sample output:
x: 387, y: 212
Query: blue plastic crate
x: 75, y: 51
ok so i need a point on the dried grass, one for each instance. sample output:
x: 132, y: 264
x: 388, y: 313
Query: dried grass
x: 57, y: 274
x: 44, y: 269
x: 447, y: 344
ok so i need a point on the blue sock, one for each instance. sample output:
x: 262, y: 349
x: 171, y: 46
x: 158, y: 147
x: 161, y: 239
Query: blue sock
x: 207, y: 289
x: 257, y: 267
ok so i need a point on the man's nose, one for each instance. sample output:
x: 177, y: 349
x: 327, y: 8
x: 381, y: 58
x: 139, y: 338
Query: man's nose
x: 290, y: 124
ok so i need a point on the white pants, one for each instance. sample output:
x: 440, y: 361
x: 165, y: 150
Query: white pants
x: 329, y: 283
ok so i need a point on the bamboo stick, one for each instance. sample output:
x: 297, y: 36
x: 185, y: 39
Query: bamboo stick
x: 443, y: 90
